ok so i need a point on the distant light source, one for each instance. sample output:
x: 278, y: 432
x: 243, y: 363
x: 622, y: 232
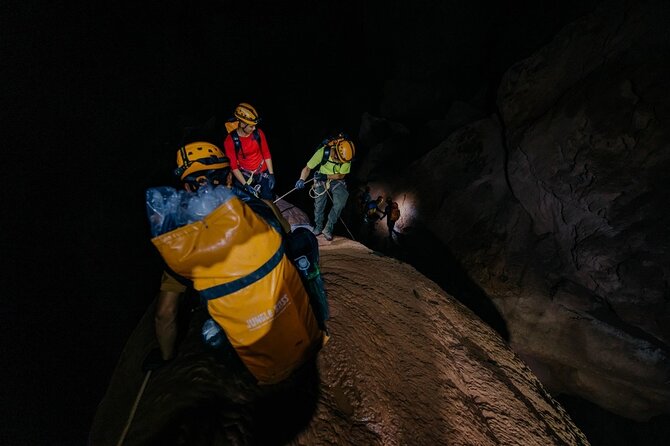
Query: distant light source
x: 407, y: 203
x: 408, y: 213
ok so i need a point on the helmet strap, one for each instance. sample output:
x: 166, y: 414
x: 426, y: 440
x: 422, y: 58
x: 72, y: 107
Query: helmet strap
x: 185, y: 162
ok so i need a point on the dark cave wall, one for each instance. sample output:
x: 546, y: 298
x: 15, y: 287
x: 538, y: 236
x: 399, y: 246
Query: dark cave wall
x: 96, y: 100
x: 556, y: 208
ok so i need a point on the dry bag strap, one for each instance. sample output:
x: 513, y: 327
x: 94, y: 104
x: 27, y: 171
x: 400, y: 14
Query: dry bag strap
x: 231, y: 287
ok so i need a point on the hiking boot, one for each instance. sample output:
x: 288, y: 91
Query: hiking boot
x: 328, y: 235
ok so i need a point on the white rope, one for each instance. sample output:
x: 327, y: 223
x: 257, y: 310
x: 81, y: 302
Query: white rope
x: 314, y: 194
x: 294, y: 189
x: 324, y: 192
x: 132, y: 411
x: 345, y: 225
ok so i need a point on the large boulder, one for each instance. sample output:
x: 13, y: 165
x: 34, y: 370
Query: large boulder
x: 589, y: 146
x: 406, y: 364
x: 557, y: 207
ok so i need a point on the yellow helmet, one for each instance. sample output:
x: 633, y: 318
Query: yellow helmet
x: 198, y: 156
x: 247, y: 114
x: 344, y: 149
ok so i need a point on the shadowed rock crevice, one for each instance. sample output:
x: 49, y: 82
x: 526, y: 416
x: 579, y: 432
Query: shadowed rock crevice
x: 439, y: 265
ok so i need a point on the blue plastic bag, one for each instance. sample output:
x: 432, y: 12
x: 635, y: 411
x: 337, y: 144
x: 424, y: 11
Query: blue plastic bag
x: 169, y: 208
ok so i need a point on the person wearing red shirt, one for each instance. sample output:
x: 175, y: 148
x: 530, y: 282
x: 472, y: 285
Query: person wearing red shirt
x: 247, y: 149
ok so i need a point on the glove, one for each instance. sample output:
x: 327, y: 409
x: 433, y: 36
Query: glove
x: 271, y: 181
x: 250, y: 190
x: 300, y: 184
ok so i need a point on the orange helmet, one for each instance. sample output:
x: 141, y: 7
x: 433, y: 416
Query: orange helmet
x: 246, y: 113
x: 198, y: 156
x: 344, y: 148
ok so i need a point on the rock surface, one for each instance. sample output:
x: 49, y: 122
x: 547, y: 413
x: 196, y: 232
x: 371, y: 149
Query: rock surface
x: 406, y: 364
x: 557, y: 207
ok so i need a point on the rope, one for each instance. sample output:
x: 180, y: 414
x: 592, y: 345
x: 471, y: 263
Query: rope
x: 345, y: 225
x: 314, y: 194
x: 295, y: 188
x: 310, y: 194
x: 132, y: 411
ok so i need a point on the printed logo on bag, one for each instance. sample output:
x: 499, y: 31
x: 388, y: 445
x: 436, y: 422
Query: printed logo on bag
x: 268, y: 315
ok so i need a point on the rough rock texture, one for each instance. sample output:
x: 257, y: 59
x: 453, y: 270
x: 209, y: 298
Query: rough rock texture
x: 591, y: 166
x: 293, y: 214
x: 557, y: 208
x: 589, y: 148
x: 406, y: 364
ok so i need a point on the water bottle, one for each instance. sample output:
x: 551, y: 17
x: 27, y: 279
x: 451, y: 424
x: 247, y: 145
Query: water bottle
x: 168, y: 208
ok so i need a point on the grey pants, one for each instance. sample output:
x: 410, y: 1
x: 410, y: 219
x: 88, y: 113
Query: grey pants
x: 338, y: 190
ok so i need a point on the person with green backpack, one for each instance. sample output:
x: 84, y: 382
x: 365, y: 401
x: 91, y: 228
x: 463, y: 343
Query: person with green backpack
x: 331, y: 162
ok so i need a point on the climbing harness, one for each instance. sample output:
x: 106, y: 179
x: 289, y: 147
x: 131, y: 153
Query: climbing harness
x: 238, y: 144
x: 329, y: 196
x: 251, y: 173
x: 312, y: 190
x: 320, y: 180
x: 250, y: 178
x: 238, y: 148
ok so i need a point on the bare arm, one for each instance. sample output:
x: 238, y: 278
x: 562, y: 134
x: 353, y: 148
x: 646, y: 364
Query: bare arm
x: 304, y: 173
x: 166, y: 322
x: 239, y: 176
x: 268, y: 162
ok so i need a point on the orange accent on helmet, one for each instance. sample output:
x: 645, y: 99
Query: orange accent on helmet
x: 198, y: 156
x: 247, y: 114
x: 344, y: 149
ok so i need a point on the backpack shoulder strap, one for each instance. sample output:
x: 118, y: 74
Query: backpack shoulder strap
x: 238, y: 143
x: 326, y: 155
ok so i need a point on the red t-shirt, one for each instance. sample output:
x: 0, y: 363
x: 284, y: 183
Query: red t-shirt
x: 251, y: 154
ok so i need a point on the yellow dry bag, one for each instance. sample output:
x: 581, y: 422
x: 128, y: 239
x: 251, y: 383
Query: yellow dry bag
x: 236, y: 261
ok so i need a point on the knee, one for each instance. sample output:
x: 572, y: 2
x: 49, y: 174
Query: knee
x: 165, y: 317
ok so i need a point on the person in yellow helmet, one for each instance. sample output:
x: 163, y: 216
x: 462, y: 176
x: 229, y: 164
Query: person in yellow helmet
x: 198, y: 164
x: 332, y: 162
x: 247, y: 148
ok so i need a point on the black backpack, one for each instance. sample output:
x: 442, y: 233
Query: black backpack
x: 303, y: 250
